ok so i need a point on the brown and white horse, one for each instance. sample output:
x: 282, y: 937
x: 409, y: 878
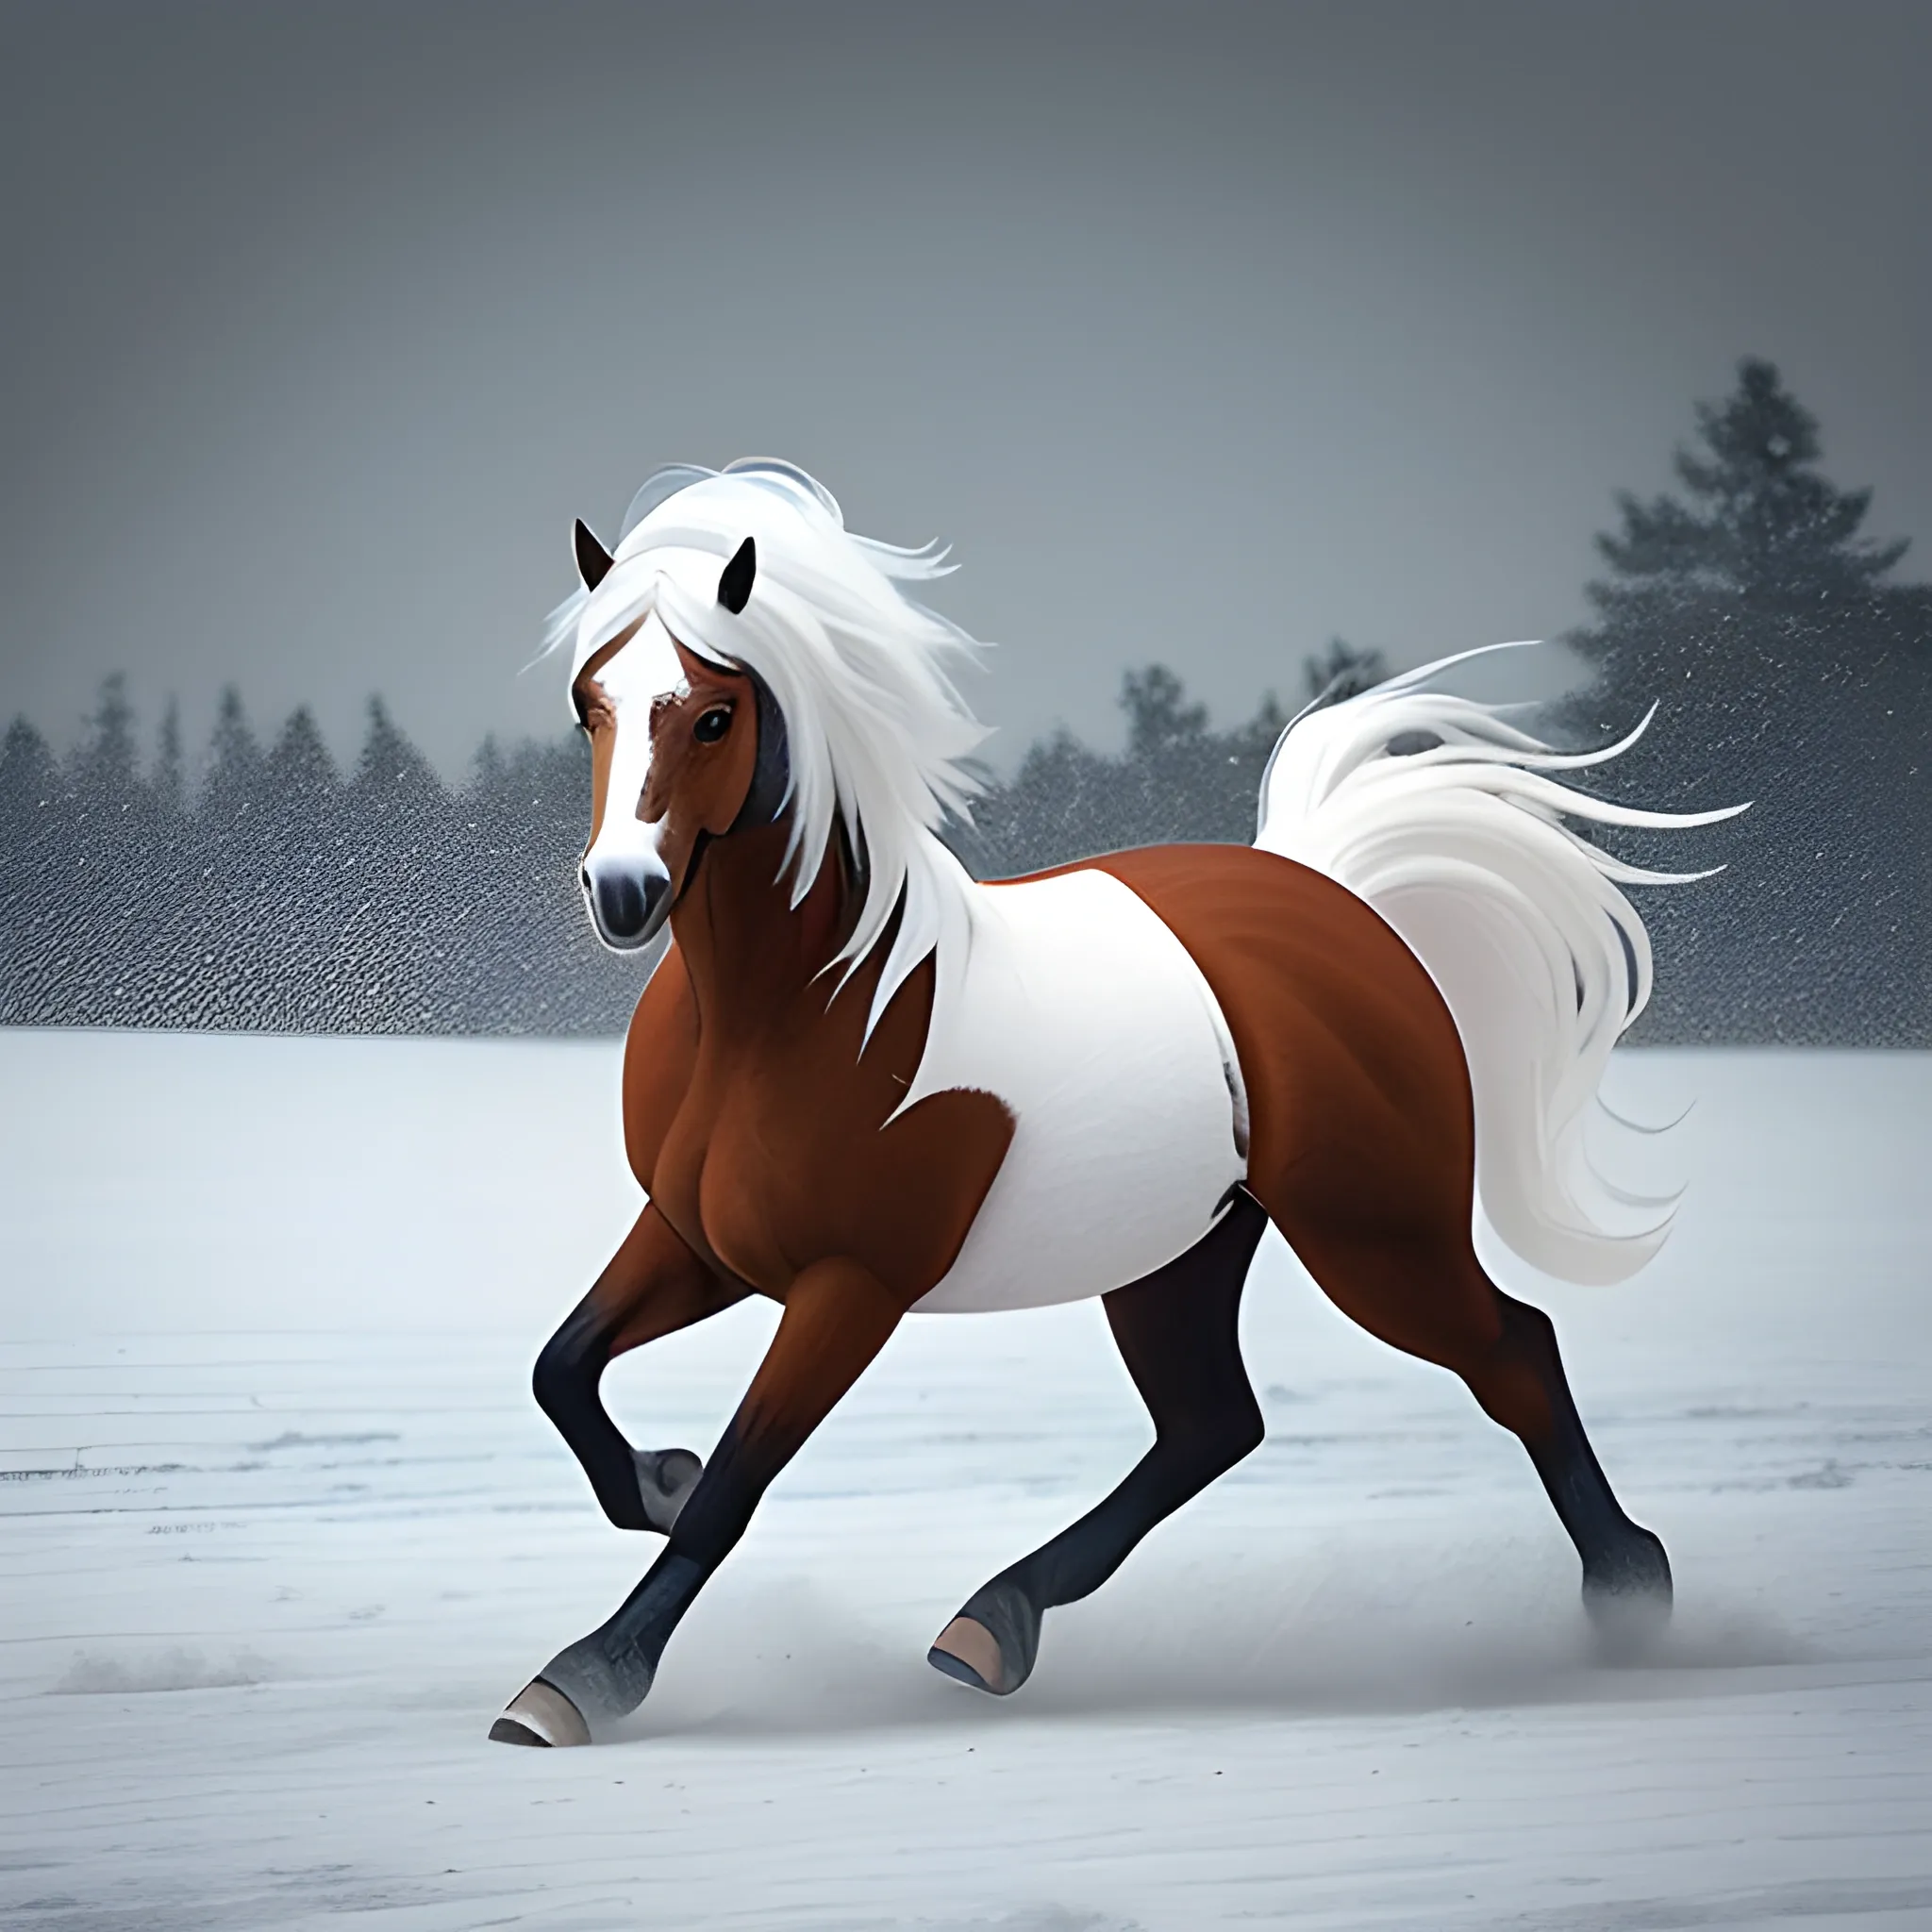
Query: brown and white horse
x: 863, y: 1085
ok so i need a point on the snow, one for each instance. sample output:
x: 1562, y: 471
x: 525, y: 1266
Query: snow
x: 284, y: 1529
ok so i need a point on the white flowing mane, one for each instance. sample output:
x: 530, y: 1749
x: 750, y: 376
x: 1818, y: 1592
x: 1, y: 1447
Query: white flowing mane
x: 878, y: 733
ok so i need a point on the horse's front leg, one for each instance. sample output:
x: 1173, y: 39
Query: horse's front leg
x: 654, y: 1285
x: 838, y: 1315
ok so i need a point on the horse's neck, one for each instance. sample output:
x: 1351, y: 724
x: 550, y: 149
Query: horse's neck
x: 747, y: 947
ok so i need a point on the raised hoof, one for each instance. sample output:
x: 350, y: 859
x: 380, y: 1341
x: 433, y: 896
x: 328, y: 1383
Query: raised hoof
x: 541, y: 1715
x: 965, y: 1651
x: 666, y: 1477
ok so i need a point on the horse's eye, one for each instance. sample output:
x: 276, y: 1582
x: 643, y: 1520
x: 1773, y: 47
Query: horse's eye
x: 712, y: 725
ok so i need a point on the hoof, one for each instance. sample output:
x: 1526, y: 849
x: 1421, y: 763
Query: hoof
x: 541, y: 1715
x: 965, y: 1651
x: 1637, y: 1570
x: 993, y: 1642
x: 1628, y: 1600
x: 666, y: 1477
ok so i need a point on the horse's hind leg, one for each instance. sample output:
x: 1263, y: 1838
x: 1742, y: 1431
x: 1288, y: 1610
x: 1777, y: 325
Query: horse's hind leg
x: 1176, y: 1333
x: 1624, y: 1565
x: 1422, y: 1288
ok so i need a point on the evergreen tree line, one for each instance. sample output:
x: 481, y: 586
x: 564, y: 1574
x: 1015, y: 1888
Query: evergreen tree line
x: 282, y: 896
x: 280, y: 893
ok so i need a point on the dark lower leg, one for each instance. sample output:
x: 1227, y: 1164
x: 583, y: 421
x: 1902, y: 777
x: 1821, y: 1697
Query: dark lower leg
x: 654, y: 1286
x: 836, y: 1320
x: 1523, y: 1385
x: 609, y: 1672
x: 1078, y: 1560
x: 1177, y: 1334
x: 565, y: 1383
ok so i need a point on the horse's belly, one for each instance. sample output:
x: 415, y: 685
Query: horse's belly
x: 1081, y: 1012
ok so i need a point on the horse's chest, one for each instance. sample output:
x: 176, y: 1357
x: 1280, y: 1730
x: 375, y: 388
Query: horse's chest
x: 783, y: 1155
x: 723, y: 1179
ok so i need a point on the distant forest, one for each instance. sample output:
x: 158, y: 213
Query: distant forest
x: 274, y: 891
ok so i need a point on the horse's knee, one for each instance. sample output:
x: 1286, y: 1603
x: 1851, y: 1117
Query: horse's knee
x: 555, y: 1381
x: 567, y: 1368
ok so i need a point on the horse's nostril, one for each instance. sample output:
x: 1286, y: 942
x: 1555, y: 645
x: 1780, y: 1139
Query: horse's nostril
x: 622, y: 908
x: 627, y: 908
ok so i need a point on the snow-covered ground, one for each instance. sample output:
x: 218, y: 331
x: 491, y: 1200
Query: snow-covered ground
x: 283, y: 1529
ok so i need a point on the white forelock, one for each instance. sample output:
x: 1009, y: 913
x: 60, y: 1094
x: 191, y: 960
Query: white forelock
x: 878, y: 735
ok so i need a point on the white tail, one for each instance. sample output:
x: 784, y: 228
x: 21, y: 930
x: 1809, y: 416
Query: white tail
x: 1461, y: 847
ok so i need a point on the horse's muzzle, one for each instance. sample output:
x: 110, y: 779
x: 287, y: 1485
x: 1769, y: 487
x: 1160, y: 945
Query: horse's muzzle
x: 627, y: 903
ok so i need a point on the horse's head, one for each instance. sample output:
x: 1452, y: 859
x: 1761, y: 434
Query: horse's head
x: 684, y: 749
x: 745, y: 657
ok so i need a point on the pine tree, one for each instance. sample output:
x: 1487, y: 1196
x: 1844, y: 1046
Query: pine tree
x: 169, y: 784
x: 487, y: 769
x: 107, y: 764
x: 1791, y: 672
x: 29, y: 781
x: 300, y: 773
x: 216, y: 965
x: 233, y: 782
x: 1344, y: 671
x: 35, y: 865
x: 1158, y: 712
x: 402, y: 843
x: 107, y: 876
x: 165, y: 977
x: 1761, y: 523
x: 391, y: 773
x: 291, y: 925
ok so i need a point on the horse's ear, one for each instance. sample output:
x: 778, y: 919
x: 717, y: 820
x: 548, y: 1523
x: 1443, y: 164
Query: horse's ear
x: 735, y: 579
x: 593, y: 560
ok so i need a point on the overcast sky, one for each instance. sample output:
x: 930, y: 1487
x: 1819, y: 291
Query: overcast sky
x: 1202, y: 332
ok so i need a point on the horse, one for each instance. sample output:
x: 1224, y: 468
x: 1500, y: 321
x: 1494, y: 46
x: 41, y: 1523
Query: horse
x: 866, y: 1086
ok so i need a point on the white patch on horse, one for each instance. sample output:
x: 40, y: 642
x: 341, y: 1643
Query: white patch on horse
x: 1079, y: 1008
x: 632, y: 680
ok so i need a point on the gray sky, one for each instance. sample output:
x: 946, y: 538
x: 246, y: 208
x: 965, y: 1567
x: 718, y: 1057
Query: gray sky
x: 1203, y: 332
